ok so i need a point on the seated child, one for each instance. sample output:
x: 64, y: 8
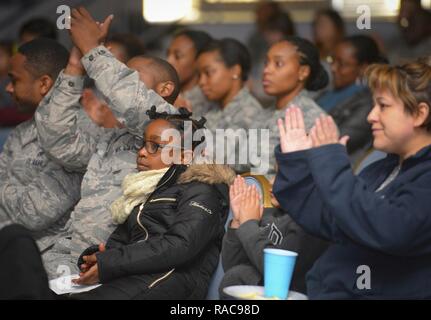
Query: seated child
x: 252, y: 229
x: 171, y: 220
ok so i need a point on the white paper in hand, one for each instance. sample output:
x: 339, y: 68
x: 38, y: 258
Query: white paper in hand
x: 64, y: 284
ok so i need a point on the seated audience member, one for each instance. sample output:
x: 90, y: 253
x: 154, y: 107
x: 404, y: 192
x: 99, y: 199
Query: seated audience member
x: 278, y: 26
x: 379, y: 221
x: 224, y: 66
x: 253, y: 229
x: 171, y: 220
x: 328, y: 32
x: 292, y: 67
x: 36, y: 191
x: 349, y: 102
x: 182, y: 55
x: 107, y: 158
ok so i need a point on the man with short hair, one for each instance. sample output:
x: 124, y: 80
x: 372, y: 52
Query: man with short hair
x: 35, y: 190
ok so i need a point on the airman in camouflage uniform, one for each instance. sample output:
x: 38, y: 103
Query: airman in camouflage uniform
x: 108, y: 159
x: 36, y: 191
x: 268, y: 120
x: 240, y: 113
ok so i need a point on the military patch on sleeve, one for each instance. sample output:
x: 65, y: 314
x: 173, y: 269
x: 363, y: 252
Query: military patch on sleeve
x: 275, y: 235
x: 200, y: 206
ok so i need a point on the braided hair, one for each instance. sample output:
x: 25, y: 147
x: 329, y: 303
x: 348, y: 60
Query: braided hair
x: 178, y: 122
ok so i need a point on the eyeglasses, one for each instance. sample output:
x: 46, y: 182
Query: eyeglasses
x: 152, y: 147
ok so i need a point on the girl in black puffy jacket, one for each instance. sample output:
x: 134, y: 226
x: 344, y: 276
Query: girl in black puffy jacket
x: 171, y: 222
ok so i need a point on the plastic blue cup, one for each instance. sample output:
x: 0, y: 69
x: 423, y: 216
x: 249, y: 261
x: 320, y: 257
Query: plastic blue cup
x: 278, y: 270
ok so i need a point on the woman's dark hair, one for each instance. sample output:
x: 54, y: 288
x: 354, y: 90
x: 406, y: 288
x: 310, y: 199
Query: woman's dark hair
x: 309, y: 56
x: 281, y: 22
x: 200, y: 39
x: 178, y: 122
x: 232, y: 53
x: 44, y: 57
x: 335, y: 18
x: 366, y: 49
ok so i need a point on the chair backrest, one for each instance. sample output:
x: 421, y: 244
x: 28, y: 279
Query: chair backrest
x: 219, y: 273
x: 263, y: 186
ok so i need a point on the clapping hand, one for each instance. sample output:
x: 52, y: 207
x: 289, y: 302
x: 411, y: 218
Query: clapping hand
x: 251, y: 207
x: 292, y: 133
x: 245, y: 202
x: 236, y: 193
x: 325, y: 131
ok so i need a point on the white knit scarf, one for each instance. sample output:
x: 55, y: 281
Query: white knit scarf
x: 136, y: 189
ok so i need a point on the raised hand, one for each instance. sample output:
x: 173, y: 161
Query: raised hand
x: 85, y: 32
x: 325, y: 131
x: 292, y: 133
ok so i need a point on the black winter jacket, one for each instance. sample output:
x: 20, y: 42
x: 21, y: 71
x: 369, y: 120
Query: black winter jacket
x: 169, y: 246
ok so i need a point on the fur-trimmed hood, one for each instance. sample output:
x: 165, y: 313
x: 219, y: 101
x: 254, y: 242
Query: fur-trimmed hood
x: 208, y: 173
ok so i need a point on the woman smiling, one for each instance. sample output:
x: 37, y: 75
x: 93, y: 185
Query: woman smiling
x: 379, y: 223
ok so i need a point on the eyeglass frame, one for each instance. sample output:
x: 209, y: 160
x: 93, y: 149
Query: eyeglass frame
x: 158, y: 146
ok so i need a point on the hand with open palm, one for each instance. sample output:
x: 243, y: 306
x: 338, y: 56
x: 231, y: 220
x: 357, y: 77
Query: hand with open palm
x: 236, y: 193
x: 325, y: 131
x: 292, y: 133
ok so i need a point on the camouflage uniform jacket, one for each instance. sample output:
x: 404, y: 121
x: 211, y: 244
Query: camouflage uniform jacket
x: 35, y: 191
x: 240, y: 113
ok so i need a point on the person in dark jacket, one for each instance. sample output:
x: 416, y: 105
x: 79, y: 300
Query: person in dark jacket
x: 167, y: 244
x: 379, y: 222
x: 254, y: 228
x: 350, y: 100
